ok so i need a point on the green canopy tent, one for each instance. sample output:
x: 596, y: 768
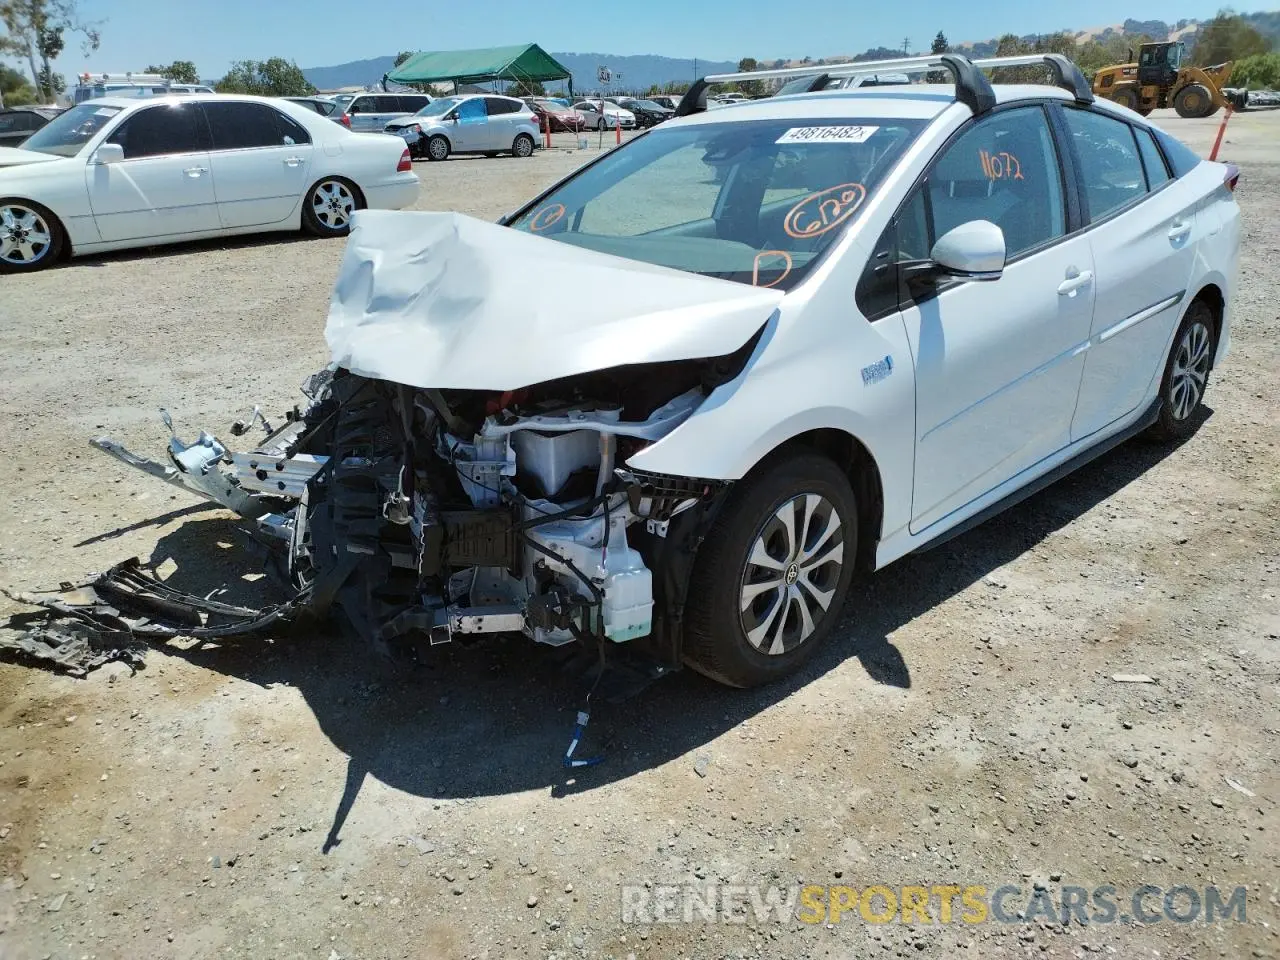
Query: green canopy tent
x: 527, y: 62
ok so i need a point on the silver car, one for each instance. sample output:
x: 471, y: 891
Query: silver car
x: 370, y: 112
x: 479, y: 123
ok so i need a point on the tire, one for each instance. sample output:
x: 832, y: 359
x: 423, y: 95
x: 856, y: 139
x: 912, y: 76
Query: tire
x: 1186, y: 374
x: 437, y: 148
x: 523, y: 146
x: 1127, y: 97
x: 788, y: 619
x: 31, y: 238
x: 1194, y: 101
x: 329, y: 206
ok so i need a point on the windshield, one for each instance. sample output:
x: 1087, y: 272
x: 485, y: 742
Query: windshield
x: 66, y: 133
x: 754, y: 202
x: 644, y: 105
x: 438, y: 108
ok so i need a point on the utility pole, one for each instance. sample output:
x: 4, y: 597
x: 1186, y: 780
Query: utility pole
x: 695, y: 69
x: 906, y: 46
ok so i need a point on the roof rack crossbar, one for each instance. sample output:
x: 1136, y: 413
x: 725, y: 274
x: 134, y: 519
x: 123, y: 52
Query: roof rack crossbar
x: 972, y: 86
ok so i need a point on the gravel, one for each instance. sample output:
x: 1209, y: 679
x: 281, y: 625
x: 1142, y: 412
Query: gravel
x: 889, y: 761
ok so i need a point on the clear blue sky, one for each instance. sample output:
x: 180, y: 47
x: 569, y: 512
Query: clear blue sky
x: 317, y: 33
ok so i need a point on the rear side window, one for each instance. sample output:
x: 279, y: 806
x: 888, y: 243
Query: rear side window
x: 1157, y: 172
x: 161, y: 131
x: 362, y: 105
x: 388, y: 104
x: 241, y: 126
x: 499, y: 106
x: 1182, y: 160
x: 1110, y: 168
x: 412, y: 104
x: 1003, y: 169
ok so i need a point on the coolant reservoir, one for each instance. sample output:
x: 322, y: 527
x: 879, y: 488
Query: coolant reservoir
x: 628, y: 592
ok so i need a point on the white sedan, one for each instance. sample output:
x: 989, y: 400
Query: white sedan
x: 604, y: 115
x: 115, y: 173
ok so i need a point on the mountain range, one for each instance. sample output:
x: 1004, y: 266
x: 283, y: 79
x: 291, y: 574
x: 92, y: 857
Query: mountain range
x: 643, y: 71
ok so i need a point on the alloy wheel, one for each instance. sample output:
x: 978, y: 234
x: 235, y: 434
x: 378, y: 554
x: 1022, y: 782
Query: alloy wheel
x: 791, y: 574
x: 438, y: 148
x: 1190, y: 370
x: 25, y: 236
x: 333, y: 204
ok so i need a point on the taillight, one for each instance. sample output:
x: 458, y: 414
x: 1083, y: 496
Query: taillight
x: 345, y: 120
x: 1232, y: 178
x: 406, y: 162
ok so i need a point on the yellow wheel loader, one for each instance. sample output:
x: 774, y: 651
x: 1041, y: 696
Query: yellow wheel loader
x: 1161, y: 78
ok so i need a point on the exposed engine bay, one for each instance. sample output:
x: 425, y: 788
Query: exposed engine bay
x: 440, y: 515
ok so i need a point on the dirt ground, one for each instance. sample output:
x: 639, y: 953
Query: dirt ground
x: 291, y: 797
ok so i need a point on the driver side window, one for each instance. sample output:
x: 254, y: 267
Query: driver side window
x: 1003, y: 169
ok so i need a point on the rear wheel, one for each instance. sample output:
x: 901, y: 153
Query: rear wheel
x: 772, y: 574
x: 1186, y: 374
x: 1194, y: 101
x: 329, y: 206
x: 523, y: 146
x: 30, y: 237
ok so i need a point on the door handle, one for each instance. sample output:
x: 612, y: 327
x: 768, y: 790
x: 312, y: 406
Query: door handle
x: 196, y: 172
x: 292, y: 161
x: 1075, y: 280
x: 1179, y: 230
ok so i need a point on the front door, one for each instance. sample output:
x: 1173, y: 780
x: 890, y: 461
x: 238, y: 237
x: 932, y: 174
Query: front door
x: 470, y: 131
x: 164, y: 185
x: 261, y: 162
x: 997, y: 363
x: 1144, y: 239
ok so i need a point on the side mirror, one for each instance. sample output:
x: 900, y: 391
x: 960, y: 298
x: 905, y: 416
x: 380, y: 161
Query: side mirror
x: 972, y: 251
x: 108, y: 153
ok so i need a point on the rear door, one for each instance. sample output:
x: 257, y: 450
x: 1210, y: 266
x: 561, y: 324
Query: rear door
x: 261, y: 162
x: 365, y: 114
x: 503, y: 113
x: 997, y: 363
x: 1143, y: 234
x: 164, y: 185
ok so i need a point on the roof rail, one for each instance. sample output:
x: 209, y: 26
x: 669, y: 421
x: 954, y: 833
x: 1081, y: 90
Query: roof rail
x: 972, y: 86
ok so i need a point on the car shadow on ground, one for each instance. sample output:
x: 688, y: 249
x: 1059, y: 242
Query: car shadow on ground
x: 496, y: 717
x: 158, y: 253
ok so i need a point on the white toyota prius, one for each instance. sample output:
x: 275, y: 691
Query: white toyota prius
x: 113, y: 173
x: 841, y: 326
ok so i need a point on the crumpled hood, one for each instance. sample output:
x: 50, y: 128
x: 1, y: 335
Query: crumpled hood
x: 12, y: 157
x: 447, y: 301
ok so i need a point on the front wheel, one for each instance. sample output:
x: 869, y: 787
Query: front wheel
x: 329, y: 206
x: 523, y: 146
x: 1194, y: 101
x: 1126, y: 97
x: 1186, y: 374
x: 438, y: 148
x: 773, y: 572
x: 30, y: 237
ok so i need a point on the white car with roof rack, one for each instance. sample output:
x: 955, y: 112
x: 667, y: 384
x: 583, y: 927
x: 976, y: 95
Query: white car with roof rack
x: 112, y: 173
x: 893, y: 315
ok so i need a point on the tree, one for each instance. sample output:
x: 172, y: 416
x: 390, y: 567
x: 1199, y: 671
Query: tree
x: 276, y: 77
x: 1227, y: 37
x: 180, y: 71
x: 15, y: 89
x: 1259, y: 72
x: 940, y: 44
x: 751, y: 88
x: 402, y: 56
x: 35, y: 31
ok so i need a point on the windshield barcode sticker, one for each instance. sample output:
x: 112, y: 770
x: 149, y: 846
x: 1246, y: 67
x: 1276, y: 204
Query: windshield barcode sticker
x: 827, y: 135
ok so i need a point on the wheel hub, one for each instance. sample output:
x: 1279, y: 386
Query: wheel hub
x: 793, y: 574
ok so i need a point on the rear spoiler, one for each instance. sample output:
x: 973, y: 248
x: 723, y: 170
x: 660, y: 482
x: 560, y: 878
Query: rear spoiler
x: 973, y: 89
